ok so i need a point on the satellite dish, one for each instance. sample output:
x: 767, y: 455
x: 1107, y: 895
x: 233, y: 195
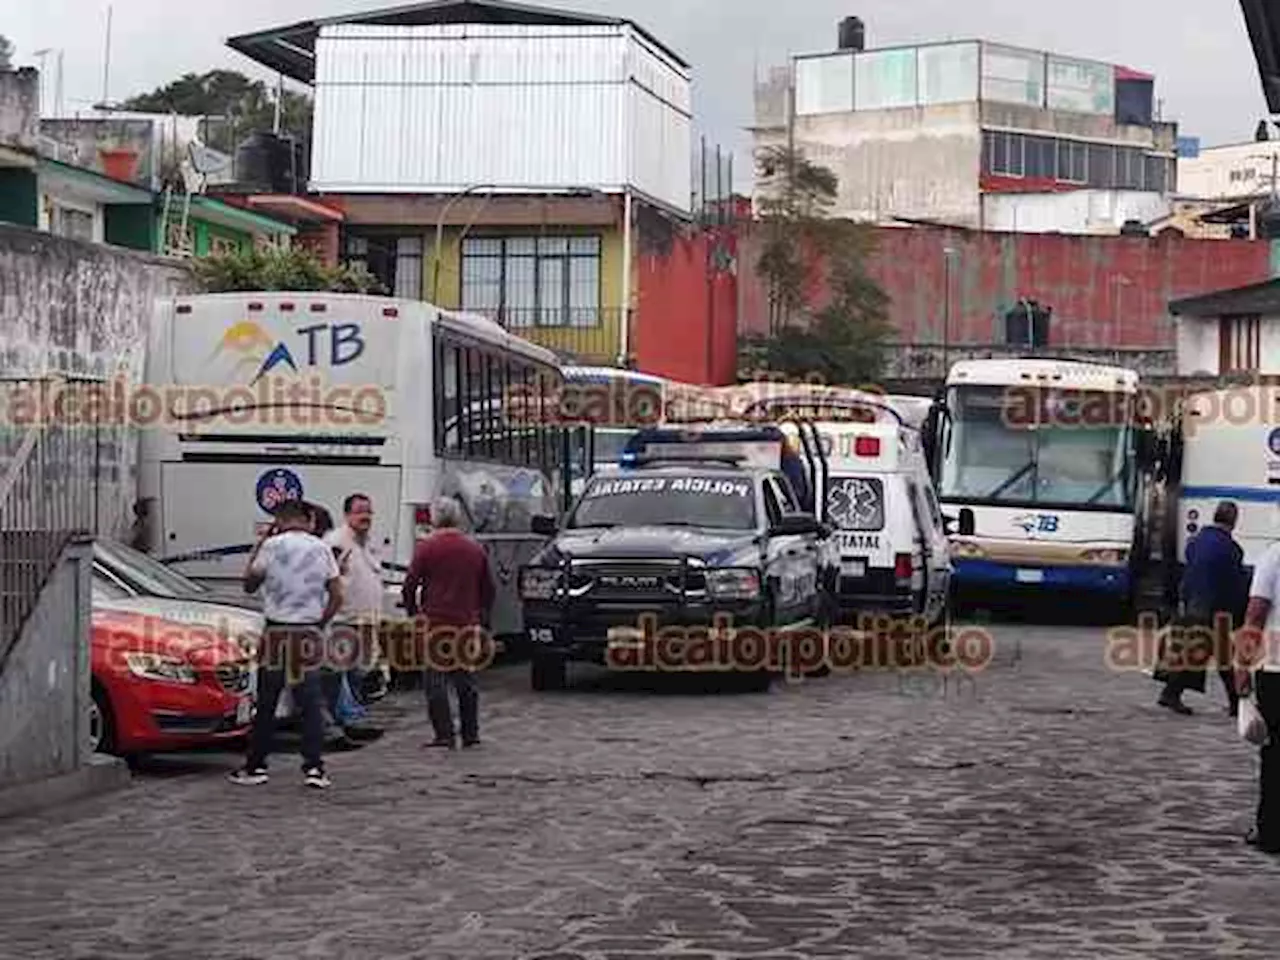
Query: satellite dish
x: 204, y: 160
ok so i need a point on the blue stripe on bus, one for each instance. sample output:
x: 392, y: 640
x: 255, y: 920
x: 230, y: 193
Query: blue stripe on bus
x: 990, y: 573
x: 1243, y: 494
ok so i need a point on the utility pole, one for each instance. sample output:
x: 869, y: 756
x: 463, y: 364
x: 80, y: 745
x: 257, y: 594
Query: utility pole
x: 106, y: 63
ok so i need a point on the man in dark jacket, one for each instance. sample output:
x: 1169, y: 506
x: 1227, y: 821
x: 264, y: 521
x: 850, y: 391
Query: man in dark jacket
x: 1211, y: 602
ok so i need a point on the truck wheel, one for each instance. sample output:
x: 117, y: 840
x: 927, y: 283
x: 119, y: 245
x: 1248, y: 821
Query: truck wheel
x: 548, y: 672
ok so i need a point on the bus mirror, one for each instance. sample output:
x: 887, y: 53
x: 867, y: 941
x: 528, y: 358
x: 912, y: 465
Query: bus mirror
x: 543, y: 525
x: 949, y: 526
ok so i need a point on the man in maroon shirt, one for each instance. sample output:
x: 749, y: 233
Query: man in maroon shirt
x: 449, y: 584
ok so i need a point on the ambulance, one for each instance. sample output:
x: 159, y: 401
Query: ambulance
x: 890, y: 548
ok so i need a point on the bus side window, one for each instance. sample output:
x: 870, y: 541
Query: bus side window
x: 447, y: 380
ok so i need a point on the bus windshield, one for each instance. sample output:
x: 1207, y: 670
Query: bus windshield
x: 1048, y: 453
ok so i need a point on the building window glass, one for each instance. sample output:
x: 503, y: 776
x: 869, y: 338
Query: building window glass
x: 533, y: 281
x: 408, y: 268
x: 1239, y: 345
x: 395, y: 261
x: 71, y: 222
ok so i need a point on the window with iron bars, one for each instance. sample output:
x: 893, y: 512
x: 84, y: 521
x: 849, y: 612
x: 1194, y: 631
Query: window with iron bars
x: 533, y: 281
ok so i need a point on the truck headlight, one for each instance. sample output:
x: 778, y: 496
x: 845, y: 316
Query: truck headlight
x: 539, y: 583
x: 149, y: 666
x: 733, y: 584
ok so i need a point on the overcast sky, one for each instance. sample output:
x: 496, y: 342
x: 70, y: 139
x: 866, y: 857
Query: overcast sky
x: 1198, y: 49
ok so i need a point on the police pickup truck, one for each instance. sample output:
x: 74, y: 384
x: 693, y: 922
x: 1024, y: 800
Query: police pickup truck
x: 668, y: 542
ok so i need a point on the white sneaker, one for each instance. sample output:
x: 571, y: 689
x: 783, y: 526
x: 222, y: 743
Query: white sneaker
x: 315, y: 778
x: 248, y: 778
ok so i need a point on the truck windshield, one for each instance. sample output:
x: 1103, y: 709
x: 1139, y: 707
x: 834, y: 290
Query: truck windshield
x: 717, y: 503
x: 1050, y: 447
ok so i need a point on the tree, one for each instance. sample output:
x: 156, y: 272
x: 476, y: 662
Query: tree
x: 246, y: 104
x: 274, y: 269
x: 840, y: 340
x: 6, y: 53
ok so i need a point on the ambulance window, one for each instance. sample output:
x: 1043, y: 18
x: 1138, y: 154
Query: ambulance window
x: 772, y: 505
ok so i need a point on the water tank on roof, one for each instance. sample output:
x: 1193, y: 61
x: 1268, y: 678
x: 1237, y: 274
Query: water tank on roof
x: 852, y: 34
x: 266, y: 162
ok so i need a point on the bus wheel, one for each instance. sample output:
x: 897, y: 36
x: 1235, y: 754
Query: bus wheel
x: 548, y: 671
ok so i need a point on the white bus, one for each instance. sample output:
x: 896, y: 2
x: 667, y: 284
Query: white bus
x: 316, y: 396
x: 1227, y: 447
x: 1043, y: 466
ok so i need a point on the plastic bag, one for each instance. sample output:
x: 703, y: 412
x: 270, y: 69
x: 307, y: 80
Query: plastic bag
x: 1250, y: 724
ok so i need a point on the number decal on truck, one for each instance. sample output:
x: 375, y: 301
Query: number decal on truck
x: 542, y: 635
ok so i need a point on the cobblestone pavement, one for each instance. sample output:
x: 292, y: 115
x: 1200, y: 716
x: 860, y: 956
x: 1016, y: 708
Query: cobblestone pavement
x: 1048, y: 809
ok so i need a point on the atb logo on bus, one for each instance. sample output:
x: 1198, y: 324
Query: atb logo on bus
x: 1036, y: 523
x: 277, y: 486
x: 257, y: 349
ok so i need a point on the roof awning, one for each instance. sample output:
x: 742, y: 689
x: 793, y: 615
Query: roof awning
x: 1258, y: 298
x: 225, y: 215
x: 291, y: 50
x: 296, y: 209
x: 90, y: 185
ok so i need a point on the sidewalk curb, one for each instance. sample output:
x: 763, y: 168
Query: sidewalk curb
x: 102, y: 774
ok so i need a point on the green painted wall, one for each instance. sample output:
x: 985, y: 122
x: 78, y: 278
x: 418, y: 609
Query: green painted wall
x: 130, y: 225
x: 19, y: 196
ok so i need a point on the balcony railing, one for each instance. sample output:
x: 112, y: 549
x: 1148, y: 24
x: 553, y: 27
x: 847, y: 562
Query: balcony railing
x: 49, y: 474
x: 586, y: 335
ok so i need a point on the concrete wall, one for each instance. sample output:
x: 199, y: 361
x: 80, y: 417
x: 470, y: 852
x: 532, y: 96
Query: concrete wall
x: 919, y: 162
x: 44, y: 687
x: 19, y: 108
x: 1105, y: 292
x: 1159, y: 137
x: 73, y: 307
x: 1101, y: 212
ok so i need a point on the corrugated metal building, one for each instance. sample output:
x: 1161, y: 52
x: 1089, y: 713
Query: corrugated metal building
x: 498, y: 157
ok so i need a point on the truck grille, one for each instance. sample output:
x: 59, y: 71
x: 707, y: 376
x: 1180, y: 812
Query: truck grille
x: 631, y: 581
x: 234, y: 677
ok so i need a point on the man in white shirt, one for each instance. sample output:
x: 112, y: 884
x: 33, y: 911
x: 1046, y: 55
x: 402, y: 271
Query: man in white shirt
x: 1255, y: 649
x: 360, y: 565
x: 301, y: 593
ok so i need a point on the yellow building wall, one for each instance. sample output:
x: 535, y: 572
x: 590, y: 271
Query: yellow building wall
x: 600, y: 343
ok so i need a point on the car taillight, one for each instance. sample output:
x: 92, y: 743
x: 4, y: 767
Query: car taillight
x: 902, y: 566
x: 422, y: 516
x: 866, y: 447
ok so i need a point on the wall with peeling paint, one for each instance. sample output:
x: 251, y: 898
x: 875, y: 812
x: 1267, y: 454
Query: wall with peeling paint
x: 1106, y: 292
x: 72, y: 307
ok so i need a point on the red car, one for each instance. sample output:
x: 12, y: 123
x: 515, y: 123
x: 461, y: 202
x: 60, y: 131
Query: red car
x: 161, y: 685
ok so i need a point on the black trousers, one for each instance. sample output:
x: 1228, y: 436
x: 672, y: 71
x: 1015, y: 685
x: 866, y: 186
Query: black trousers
x: 290, y: 657
x: 1268, y: 819
x: 463, y: 683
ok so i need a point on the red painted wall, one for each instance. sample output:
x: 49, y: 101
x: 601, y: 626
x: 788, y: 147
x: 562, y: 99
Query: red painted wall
x: 1104, y: 291
x: 686, y: 318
